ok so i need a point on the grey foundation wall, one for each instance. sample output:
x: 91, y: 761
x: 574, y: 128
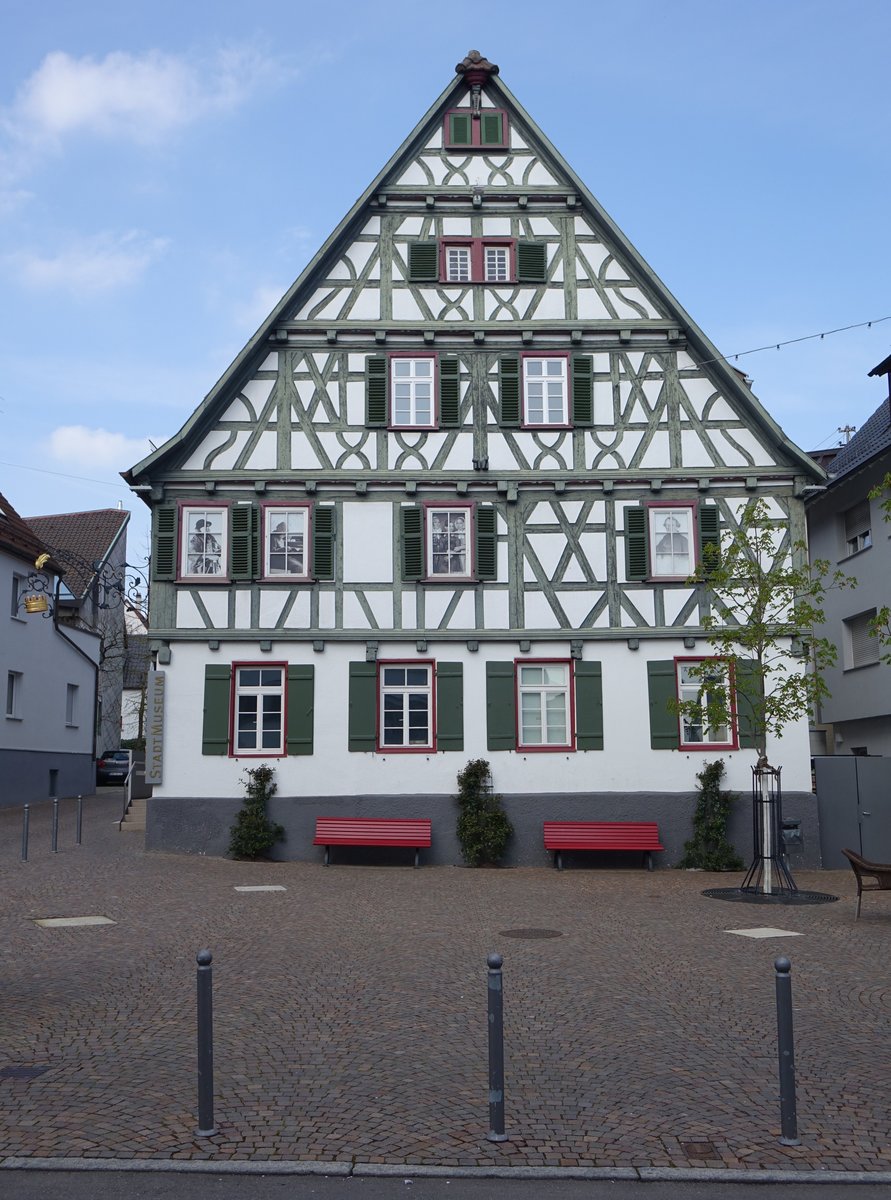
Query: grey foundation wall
x: 201, y: 826
x: 27, y: 776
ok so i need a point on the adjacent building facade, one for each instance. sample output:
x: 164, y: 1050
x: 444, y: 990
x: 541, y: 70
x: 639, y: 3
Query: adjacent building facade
x: 48, y: 673
x: 444, y: 506
x: 849, y: 529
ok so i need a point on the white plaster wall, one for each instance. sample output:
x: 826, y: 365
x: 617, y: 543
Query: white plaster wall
x: 367, y: 542
x: 626, y: 764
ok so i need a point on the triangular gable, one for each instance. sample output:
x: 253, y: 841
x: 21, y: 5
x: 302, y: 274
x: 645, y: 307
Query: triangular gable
x: 428, y: 133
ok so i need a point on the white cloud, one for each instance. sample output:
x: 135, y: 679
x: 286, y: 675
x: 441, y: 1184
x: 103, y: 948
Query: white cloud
x: 76, y: 444
x: 134, y: 97
x: 94, y: 264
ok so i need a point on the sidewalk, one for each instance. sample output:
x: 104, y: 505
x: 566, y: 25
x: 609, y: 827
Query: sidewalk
x: 350, y: 1012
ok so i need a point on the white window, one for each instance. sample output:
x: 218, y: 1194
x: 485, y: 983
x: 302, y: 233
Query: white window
x: 448, y: 543
x: 406, y: 705
x: 861, y: 643
x: 411, y: 386
x: 457, y: 261
x: 544, y: 708
x: 703, y: 683
x: 14, y: 695
x: 858, y: 528
x: 286, y: 541
x: 496, y: 264
x: 18, y: 590
x: 545, y: 391
x: 71, y: 704
x: 672, y: 554
x: 259, y: 710
x: 203, y: 541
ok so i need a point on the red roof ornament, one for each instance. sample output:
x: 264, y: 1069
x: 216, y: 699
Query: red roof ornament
x: 475, y: 68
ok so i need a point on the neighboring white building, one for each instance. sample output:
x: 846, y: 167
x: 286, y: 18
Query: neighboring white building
x: 443, y: 506
x: 48, y: 673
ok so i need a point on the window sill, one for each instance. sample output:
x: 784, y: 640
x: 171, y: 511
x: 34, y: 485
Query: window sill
x: 545, y: 749
x: 384, y: 750
x: 862, y: 666
x: 454, y: 580
x: 16, y: 617
x: 707, y: 746
x: 854, y: 554
x: 13, y: 717
x: 193, y: 579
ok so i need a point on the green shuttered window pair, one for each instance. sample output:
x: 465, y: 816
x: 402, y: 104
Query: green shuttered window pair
x: 218, y: 716
x: 662, y: 691
x: 425, y: 266
x: 581, y: 391
x: 363, y: 732
x: 501, y: 706
x: 245, y: 551
x: 643, y: 557
x: 467, y: 132
x: 477, y: 555
x: 378, y: 386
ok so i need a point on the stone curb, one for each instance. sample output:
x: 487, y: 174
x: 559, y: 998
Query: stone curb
x: 408, y: 1170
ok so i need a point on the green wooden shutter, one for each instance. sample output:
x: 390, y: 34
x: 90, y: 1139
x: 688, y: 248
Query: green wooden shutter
x: 244, y: 550
x: 217, y: 691
x: 709, y: 537
x: 662, y: 686
x: 423, y: 261
x: 376, y: 380
x: 501, y: 706
x: 748, y: 688
x: 636, y: 543
x: 532, y: 262
x: 449, y: 706
x: 588, y: 706
x: 460, y: 129
x: 509, y: 390
x: 362, y: 733
x: 301, y: 687
x: 449, y: 404
x: 324, y: 526
x: 491, y: 129
x: 486, y: 542
x: 582, y: 389
x: 164, y: 542
x: 412, y: 527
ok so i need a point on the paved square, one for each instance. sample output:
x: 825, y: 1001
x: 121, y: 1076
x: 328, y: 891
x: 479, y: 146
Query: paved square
x: 350, y: 1013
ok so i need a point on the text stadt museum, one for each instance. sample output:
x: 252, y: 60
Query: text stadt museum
x: 443, y: 506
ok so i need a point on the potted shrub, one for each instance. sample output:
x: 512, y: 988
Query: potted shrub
x: 483, y: 826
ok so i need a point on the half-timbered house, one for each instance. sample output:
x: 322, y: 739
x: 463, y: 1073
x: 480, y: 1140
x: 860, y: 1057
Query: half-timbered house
x: 444, y: 506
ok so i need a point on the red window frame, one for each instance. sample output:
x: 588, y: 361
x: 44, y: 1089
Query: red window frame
x: 733, y: 744
x: 434, y: 505
x: 430, y: 664
x: 475, y: 129
x: 570, y: 687
x: 693, y: 506
x: 434, y: 383
x: 265, y: 509
x: 526, y: 424
x: 249, y: 664
x: 477, y: 248
x: 223, y: 506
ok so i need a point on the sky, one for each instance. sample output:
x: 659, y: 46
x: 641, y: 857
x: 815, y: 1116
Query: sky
x: 167, y: 168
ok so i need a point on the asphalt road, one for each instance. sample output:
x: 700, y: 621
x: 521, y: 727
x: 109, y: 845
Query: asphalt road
x: 125, y: 1185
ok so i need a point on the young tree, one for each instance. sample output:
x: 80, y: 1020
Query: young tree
x: 765, y: 607
x: 766, y: 604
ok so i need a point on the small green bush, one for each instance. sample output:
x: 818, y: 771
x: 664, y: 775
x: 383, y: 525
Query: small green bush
x: 708, y: 849
x: 483, y: 826
x: 253, y: 833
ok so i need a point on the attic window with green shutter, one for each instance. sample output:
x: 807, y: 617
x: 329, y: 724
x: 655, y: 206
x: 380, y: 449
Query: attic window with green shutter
x: 413, y: 391
x: 204, y: 542
x: 285, y: 541
x: 463, y: 130
x: 666, y: 540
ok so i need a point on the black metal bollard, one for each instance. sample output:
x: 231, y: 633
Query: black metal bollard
x: 205, y: 1044
x: 786, y: 1053
x: 26, y: 817
x: 55, y: 825
x: 80, y: 818
x: 496, y: 1050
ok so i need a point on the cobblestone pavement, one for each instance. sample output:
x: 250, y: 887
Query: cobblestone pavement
x: 350, y: 1012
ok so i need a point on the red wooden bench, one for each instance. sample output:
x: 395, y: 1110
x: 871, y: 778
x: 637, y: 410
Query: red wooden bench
x: 602, y: 835
x: 371, y: 831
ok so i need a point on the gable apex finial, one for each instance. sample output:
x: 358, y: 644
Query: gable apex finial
x: 475, y: 68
